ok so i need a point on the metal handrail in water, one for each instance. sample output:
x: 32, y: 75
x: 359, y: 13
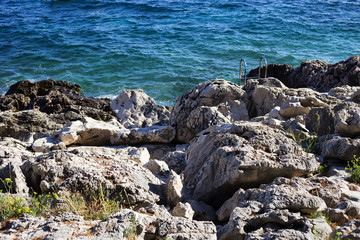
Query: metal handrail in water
x: 242, y: 60
x: 260, y: 67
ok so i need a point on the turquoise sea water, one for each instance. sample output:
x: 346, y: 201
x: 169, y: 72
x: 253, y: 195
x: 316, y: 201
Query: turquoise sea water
x: 166, y: 46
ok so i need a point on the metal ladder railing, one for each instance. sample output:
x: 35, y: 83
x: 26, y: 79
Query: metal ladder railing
x: 243, y: 60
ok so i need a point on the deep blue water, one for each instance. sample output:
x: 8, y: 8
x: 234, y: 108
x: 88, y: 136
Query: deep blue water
x: 166, y: 46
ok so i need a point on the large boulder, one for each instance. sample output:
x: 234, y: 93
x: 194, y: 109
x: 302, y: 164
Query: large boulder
x: 134, y: 108
x: 78, y: 169
x: 243, y: 154
x: 323, y: 76
x: 209, y: 103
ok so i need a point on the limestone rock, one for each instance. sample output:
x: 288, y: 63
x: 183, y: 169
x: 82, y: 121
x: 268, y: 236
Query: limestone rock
x: 272, y: 197
x: 174, y: 189
x: 153, y: 134
x: 341, y: 148
x: 183, y: 210
x: 153, y: 227
x: 292, y: 109
x: 157, y: 167
x: 345, y: 92
x: 202, y: 211
x: 135, y: 108
x: 320, y: 120
x: 208, y: 104
x: 175, y: 160
x: 115, y: 169
x: 159, y: 150
x: 264, y: 98
x: 87, y: 131
x: 350, y: 230
x: 65, y: 226
x: 347, y: 119
x: 277, y: 224
x: 245, y: 154
x: 11, y: 160
x: 47, y: 144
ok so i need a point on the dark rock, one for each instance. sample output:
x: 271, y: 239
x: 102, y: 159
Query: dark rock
x: 43, y: 87
x: 14, y: 102
x: 323, y: 76
x: 279, y: 71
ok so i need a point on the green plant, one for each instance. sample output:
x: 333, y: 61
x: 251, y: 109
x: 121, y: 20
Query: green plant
x: 40, y: 204
x: 353, y: 167
x: 317, y: 214
x: 130, y: 232
x: 93, y: 204
x: 307, y: 143
x: 322, y: 168
x: 11, y: 206
x: 338, y: 236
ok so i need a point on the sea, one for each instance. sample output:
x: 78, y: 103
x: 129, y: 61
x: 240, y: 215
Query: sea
x: 166, y: 47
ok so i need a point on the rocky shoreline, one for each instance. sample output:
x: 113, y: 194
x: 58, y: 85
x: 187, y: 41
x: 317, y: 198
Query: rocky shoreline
x: 225, y: 162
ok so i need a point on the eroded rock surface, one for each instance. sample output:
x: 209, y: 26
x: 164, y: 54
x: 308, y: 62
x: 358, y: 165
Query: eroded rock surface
x: 209, y: 103
x: 244, y: 154
x: 135, y: 108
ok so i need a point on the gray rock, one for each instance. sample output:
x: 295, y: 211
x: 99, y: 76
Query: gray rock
x: 208, y: 104
x: 298, y: 101
x: 341, y: 148
x: 350, y: 230
x: 157, y: 150
x: 174, y: 189
x: 202, y: 211
x: 183, y: 210
x: 135, y: 108
x: 128, y: 224
x: 175, y: 161
x: 245, y: 154
x: 115, y: 169
x: 87, y: 131
x: 345, y: 92
x: 272, y: 197
x: 46, y: 144
x: 61, y: 227
x: 157, y: 167
x: 153, y: 134
x: 292, y: 109
x: 347, y: 119
x: 320, y: 121
x: 11, y: 160
x: 277, y: 224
